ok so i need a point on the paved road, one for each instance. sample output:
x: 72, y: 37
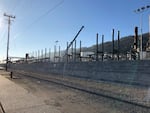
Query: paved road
x: 16, y: 99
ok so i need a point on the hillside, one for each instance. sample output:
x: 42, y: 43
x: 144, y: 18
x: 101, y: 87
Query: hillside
x: 125, y: 44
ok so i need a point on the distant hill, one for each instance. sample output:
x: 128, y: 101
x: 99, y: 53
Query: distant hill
x: 125, y: 44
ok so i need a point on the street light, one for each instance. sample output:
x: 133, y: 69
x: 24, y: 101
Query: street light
x: 141, y: 10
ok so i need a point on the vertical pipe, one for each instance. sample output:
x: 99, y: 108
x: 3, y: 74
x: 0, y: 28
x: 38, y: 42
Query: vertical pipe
x: 136, y: 38
x: 49, y: 54
x: 67, y: 52
x: 42, y: 55
x: 75, y: 51
x: 136, y: 44
x: 38, y: 54
x: 72, y: 53
x: 102, y: 47
x: 113, y: 44
x: 97, y: 47
x: 29, y: 55
x: 33, y: 56
x: 118, y: 45
x: 80, y: 50
x: 59, y: 53
x: 54, y: 52
x: 149, y: 36
x: 45, y: 54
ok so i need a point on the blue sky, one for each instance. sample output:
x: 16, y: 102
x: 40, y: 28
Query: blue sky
x: 39, y: 23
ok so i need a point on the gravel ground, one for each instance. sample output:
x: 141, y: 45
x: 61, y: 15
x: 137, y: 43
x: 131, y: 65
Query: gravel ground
x: 73, y: 101
x: 127, y: 92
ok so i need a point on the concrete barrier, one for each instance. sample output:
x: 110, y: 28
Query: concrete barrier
x: 131, y: 72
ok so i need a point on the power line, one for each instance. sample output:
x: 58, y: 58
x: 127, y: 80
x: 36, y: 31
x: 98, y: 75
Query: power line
x: 43, y: 15
x: 47, y: 12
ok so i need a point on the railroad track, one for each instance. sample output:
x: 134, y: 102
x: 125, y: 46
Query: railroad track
x: 71, y: 85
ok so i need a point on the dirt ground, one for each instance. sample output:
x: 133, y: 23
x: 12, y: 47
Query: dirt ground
x: 69, y: 100
x: 66, y: 100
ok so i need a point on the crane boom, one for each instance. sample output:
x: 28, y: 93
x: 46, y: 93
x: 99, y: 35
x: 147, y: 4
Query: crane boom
x: 74, y: 38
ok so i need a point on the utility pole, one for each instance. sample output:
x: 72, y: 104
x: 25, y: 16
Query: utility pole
x: 9, y: 22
